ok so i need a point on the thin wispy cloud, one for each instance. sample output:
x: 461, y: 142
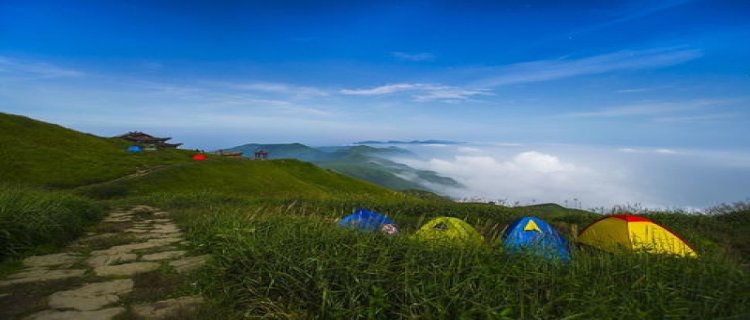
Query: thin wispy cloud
x: 556, y: 69
x: 280, y: 88
x: 384, y: 89
x: 415, y: 57
x: 704, y: 118
x: 449, y: 94
x: 421, y: 92
x: 651, y: 8
x: 34, y: 70
x: 633, y: 90
x: 664, y: 151
x: 538, y: 71
x: 650, y: 108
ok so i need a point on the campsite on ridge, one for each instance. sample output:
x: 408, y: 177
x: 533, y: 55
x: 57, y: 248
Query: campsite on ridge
x: 265, y: 220
x: 411, y: 160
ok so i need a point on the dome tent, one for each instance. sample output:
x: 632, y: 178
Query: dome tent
x: 200, y: 157
x: 533, y: 235
x: 617, y: 232
x: 135, y: 149
x: 449, y: 230
x: 366, y: 220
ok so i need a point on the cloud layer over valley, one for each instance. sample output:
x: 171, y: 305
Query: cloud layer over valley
x: 588, y: 177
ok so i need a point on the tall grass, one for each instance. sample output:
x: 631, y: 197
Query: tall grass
x: 288, y: 260
x: 32, y: 219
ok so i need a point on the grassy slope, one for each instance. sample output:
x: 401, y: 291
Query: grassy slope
x: 37, y: 156
x: 284, y: 151
x: 279, y: 255
x: 362, y: 162
x: 272, y: 178
x: 287, y: 260
x: 39, y: 153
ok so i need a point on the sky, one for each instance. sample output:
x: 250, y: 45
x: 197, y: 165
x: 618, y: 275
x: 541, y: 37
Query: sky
x: 627, y: 78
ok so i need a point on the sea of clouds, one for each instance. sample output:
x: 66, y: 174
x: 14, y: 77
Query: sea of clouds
x: 587, y: 176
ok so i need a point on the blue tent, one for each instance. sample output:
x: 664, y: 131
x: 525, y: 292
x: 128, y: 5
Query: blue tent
x: 134, y: 149
x: 367, y: 220
x: 533, y: 235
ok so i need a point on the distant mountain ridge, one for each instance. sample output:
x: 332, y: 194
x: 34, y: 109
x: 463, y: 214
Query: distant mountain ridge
x: 409, y: 142
x: 360, y: 161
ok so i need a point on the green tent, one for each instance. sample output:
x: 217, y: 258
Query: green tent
x: 449, y: 230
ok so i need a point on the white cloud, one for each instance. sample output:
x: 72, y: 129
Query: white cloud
x: 637, y: 12
x: 547, y: 70
x: 34, y: 70
x: 529, y: 176
x: 447, y: 93
x: 628, y: 150
x: 384, y: 89
x: 665, y: 151
x: 469, y: 150
x: 650, y: 108
x: 540, y: 162
x: 704, y: 118
x: 649, y: 151
x: 535, y: 71
x: 281, y: 88
x: 633, y: 90
x: 416, y: 57
x: 421, y: 92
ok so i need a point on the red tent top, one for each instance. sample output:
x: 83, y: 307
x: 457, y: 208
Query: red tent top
x: 200, y: 157
x: 630, y: 218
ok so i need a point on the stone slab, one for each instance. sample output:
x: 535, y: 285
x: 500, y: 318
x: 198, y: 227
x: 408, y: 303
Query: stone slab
x: 127, y: 269
x: 106, y: 260
x: 170, y: 308
x: 51, y: 260
x: 91, y: 296
x: 104, y: 314
x: 38, y: 275
x: 163, y: 255
x: 127, y: 248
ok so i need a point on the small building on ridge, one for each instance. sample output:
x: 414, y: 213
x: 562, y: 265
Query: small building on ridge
x: 148, y: 142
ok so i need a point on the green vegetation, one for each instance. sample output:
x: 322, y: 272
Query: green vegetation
x: 277, y: 252
x: 288, y: 260
x: 39, y: 220
x: 38, y: 153
x: 275, y: 179
x: 363, y: 162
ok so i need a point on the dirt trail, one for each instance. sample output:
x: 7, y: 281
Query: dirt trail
x: 136, y: 266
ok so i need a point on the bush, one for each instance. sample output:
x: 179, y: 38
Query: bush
x: 34, y: 218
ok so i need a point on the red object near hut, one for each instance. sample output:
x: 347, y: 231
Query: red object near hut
x: 199, y: 157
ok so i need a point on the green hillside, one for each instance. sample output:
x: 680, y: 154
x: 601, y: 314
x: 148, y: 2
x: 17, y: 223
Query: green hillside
x: 37, y: 156
x: 241, y: 177
x: 277, y: 252
x: 363, y: 162
x: 39, y: 153
x: 284, y: 151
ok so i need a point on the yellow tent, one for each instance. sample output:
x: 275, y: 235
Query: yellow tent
x: 450, y: 230
x: 617, y: 232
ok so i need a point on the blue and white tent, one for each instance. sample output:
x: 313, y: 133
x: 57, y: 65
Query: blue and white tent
x: 534, y: 236
x: 134, y: 149
x: 366, y: 220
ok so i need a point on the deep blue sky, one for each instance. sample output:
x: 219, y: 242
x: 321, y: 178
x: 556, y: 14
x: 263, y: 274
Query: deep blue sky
x: 659, y: 74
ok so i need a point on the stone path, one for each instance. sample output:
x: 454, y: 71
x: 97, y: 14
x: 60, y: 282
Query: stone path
x: 134, y: 267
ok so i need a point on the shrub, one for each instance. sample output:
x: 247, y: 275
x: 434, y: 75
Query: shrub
x: 34, y: 218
